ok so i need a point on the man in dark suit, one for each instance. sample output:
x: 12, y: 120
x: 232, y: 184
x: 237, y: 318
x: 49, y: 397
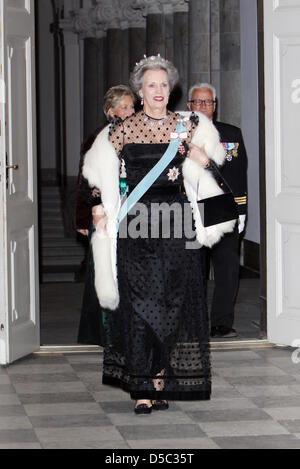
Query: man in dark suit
x: 225, y: 254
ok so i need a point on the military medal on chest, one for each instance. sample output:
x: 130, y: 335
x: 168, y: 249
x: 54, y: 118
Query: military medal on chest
x: 231, y: 150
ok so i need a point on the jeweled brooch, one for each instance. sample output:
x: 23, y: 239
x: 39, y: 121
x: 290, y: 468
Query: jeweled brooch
x: 173, y: 174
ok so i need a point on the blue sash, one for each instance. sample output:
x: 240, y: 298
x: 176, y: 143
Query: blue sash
x: 153, y: 174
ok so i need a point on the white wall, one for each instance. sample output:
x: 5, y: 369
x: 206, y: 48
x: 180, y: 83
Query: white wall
x: 249, y: 111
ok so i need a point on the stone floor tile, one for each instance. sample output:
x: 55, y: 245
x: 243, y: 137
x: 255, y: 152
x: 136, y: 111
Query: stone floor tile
x: 15, y: 423
x: 36, y: 410
x: 9, y: 399
x: 6, y: 389
x: 82, y: 434
x: 117, y: 407
x: 11, y: 446
x: 259, y: 442
x: 251, y: 428
x: 63, y: 397
x: 176, y: 443
x: 156, y: 418
x: 142, y: 431
x: 87, y: 367
x: 4, y: 379
x: 111, y: 395
x: 262, y: 380
x: 45, y: 387
x: 79, y: 444
x: 267, y: 391
x: 84, y: 358
x: 233, y: 355
x: 292, y: 425
x: 274, y: 401
x: 11, y: 410
x: 276, y: 352
x: 225, y: 392
x: 18, y: 436
x: 249, y: 371
x: 216, y: 404
x: 284, y: 413
x: 44, y: 378
x: 230, y: 415
x: 70, y: 421
x: 40, y: 368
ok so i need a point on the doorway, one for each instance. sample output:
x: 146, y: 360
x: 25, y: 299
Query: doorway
x: 61, y: 297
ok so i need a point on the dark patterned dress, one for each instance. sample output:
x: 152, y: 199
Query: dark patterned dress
x: 157, y: 342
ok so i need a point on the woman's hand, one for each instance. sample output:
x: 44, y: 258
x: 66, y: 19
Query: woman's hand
x: 83, y: 232
x: 198, y: 154
x: 99, y: 218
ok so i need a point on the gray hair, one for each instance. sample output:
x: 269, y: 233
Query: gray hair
x: 155, y: 62
x: 206, y: 86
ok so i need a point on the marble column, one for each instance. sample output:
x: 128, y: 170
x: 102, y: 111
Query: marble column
x: 199, y: 41
x: 215, y: 61
x: 230, y: 61
x: 72, y: 98
x: 137, y: 45
x: 93, y: 77
x: 136, y: 32
x: 155, y: 34
x: 114, y: 56
x: 72, y: 128
x: 94, y: 84
x: 180, y: 56
x: 159, y: 26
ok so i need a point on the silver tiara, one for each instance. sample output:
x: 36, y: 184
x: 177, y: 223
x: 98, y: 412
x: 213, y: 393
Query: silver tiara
x: 145, y: 60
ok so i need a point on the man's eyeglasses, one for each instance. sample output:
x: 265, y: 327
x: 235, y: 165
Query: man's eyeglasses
x: 202, y: 102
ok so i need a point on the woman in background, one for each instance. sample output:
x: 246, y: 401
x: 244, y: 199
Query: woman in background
x: 118, y: 104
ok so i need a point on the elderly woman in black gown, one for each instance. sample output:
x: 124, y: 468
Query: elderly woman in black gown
x: 157, y: 340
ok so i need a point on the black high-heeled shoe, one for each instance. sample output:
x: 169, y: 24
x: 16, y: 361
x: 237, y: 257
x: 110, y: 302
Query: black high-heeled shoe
x: 142, y: 409
x: 160, y: 405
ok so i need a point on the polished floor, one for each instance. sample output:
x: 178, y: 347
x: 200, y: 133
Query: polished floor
x: 57, y: 401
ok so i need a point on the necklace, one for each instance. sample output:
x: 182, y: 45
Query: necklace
x: 153, y: 121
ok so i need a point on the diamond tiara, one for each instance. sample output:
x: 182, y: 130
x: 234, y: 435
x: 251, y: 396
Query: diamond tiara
x: 146, y: 59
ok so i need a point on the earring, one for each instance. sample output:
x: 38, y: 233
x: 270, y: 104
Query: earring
x: 142, y: 101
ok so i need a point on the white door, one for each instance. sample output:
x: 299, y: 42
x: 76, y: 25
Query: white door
x: 19, y: 284
x: 282, y: 99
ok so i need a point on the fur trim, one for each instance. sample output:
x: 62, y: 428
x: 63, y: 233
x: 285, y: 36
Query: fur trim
x: 200, y: 183
x: 105, y: 282
x: 207, y: 136
x: 101, y: 169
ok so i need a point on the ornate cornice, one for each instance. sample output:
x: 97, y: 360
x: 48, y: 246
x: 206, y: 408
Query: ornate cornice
x: 149, y: 7
x: 84, y: 24
x: 101, y: 15
x: 118, y: 14
x: 133, y: 16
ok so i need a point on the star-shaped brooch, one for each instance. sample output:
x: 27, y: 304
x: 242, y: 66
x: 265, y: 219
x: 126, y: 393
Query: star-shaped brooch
x: 173, y: 174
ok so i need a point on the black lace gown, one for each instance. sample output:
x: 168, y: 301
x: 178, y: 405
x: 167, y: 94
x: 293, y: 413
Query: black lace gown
x: 161, y: 326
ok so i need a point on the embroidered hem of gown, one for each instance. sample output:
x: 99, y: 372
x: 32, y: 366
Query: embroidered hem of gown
x: 203, y: 395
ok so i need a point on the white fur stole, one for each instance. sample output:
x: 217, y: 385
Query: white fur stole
x: 102, y: 168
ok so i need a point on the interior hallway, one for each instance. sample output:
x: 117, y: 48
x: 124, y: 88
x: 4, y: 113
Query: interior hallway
x: 61, y: 305
x: 57, y: 401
